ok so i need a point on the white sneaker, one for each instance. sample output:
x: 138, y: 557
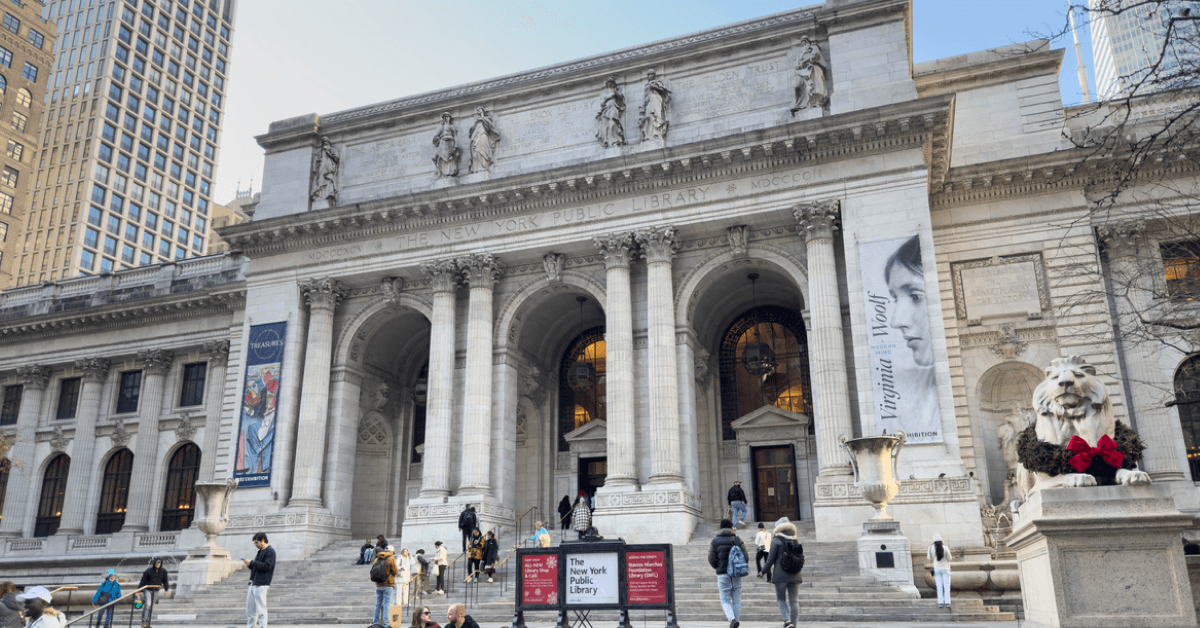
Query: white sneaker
x: 489, y: 580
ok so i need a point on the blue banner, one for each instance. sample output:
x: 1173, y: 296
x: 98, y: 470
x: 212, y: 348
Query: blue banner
x: 260, y: 398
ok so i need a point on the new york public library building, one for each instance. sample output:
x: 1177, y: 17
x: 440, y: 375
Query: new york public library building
x: 643, y: 275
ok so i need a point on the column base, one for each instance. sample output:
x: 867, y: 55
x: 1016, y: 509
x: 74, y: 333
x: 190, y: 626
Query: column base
x: 882, y: 540
x: 655, y: 514
x: 618, y: 481
x: 305, y: 502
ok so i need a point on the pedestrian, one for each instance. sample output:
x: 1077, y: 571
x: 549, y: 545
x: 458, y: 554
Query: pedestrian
x: 38, y: 610
x: 564, y: 512
x: 423, y: 618
x: 11, y: 606
x: 366, y: 553
x: 457, y: 616
x: 442, y: 566
x: 155, y: 575
x: 380, y: 545
x: 939, y: 554
x: 541, y: 536
x: 780, y: 560
x: 383, y: 573
x: 422, y: 572
x: 581, y: 515
x: 262, y: 568
x: 467, y: 522
x: 108, y: 591
x: 762, y: 540
x: 491, y: 553
x: 737, y: 503
x: 729, y: 584
x: 404, y: 564
x: 475, y: 558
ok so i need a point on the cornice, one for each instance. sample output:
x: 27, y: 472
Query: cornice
x: 919, y: 124
x: 120, y: 316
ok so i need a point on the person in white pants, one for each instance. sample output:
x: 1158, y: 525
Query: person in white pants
x: 262, y: 568
x: 939, y: 555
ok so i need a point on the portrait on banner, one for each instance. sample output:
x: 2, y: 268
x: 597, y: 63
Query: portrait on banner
x: 260, y: 398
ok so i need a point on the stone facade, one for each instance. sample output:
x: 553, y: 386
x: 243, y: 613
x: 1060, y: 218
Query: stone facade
x: 431, y: 310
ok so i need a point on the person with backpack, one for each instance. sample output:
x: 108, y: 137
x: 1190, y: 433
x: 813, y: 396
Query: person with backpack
x: 727, y: 554
x: 784, y: 562
x: 541, y: 536
x: 468, y: 523
x: 939, y: 555
x: 109, y: 590
x: 383, y: 573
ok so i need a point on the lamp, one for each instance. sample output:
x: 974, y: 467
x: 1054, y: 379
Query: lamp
x: 581, y: 375
x: 758, y: 358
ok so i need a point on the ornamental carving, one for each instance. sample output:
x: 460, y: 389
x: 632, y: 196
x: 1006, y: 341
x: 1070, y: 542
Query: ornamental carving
x: 480, y: 270
x: 1009, y: 346
x: 702, y: 360
x: 59, y: 441
x: 552, y: 263
x: 322, y: 293
x: 812, y: 89
x: 445, y: 148
x: 818, y: 219
x: 92, y: 369
x: 443, y: 274
x: 657, y: 244
x: 324, y: 186
x: 609, y: 128
x: 532, y: 386
x: 120, y: 436
x: 33, y: 376
x: 218, y: 352
x: 186, y: 430
x: 155, y: 361
x: 739, y: 240
x: 655, y: 115
x: 371, y: 431
x: 391, y: 287
x: 1122, y: 239
x: 617, y: 249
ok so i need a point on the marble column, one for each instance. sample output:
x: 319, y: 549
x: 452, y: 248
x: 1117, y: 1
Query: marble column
x: 93, y: 372
x: 480, y: 272
x: 323, y: 296
x: 617, y: 251
x: 1165, y: 457
x: 218, y: 362
x: 21, y: 475
x: 439, y: 408
x: 658, y: 246
x: 155, y: 365
x: 827, y: 353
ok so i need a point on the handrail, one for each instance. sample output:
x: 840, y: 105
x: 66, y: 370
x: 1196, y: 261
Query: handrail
x: 100, y: 608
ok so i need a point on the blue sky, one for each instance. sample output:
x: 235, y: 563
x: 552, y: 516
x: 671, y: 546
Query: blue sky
x: 292, y: 57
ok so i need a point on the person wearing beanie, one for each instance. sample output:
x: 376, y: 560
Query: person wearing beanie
x: 729, y: 586
x: 787, y: 585
x: 762, y: 540
x: 109, y: 590
x: 939, y: 555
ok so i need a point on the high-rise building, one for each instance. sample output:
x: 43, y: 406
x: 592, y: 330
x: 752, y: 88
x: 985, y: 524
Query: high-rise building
x: 26, y: 42
x: 130, y: 136
x: 1129, y: 37
x: 237, y: 211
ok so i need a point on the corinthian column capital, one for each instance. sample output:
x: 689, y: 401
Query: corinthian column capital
x: 218, y: 351
x: 322, y: 293
x: 480, y: 270
x: 658, y: 244
x: 92, y: 369
x: 443, y: 273
x: 33, y: 376
x: 155, y: 361
x: 616, y: 249
x: 1122, y: 239
x: 818, y: 219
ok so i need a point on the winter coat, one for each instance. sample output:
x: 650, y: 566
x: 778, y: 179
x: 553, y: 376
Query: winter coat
x: 476, y: 547
x: 944, y: 563
x: 393, y: 569
x: 10, y: 611
x: 110, y: 587
x: 441, y: 555
x: 491, y: 551
x: 154, y: 575
x: 581, y: 516
x: 774, y: 567
x: 424, y: 563
x: 564, y: 509
x: 718, y: 550
x: 262, y: 568
x: 51, y: 618
x: 736, y: 494
x: 467, y: 520
x: 403, y: 570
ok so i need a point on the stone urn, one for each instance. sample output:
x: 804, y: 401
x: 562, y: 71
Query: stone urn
x: 215, y: 499
x: 874, y: 461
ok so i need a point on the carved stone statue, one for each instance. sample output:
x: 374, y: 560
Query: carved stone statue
x: 391, y: 288
x: 446, y: 150
x: 325, y: 173
x: 813, y: 89
x: 1010, y: 429
x: 380, y: 396
x: 484, y: 139
x: 609, y: 129
x: 739, y: 240
x: 552, y: 263
x: 656, y: 108
x: 702, y: 366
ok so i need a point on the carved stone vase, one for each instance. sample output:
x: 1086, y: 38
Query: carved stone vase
x: 874, y: 461
x: 215, y: 499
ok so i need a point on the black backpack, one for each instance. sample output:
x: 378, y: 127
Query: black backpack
x: 792, y: 559
x: 379, y: 570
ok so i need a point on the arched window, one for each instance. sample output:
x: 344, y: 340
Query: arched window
x: 785, y: 383
x: 1187, y: 400
x: 179, y: 504
x: 584, y: 401
x: 24, y: 98
x: 114, y: 494
x: 54, y: 488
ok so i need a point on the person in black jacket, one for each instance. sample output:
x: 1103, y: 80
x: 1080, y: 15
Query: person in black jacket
x: 467, y: 522
x: 491, y: 553
x: 457, y: 616
x: 737, y: 503
x: 564, y: 513
x: 261, y: 570
x: 154, y: 575
x: 730, y: 587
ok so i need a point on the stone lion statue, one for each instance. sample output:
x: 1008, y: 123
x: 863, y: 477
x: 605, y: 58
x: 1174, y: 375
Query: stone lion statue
x: 1076, y: 440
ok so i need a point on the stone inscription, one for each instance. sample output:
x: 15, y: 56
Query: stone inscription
x: 549, y: 128
x: 385, y: 160
x: 1000, y: 290
x: 731, y: 90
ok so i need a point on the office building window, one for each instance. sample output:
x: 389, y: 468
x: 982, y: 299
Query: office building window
x: 19, y: 120
x: 15, y: 150
x: 30, y: 72
x: 12, y: 23
x: 9, y: 177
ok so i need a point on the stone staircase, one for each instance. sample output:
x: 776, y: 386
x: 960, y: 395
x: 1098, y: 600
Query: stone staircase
x: 328, y: 588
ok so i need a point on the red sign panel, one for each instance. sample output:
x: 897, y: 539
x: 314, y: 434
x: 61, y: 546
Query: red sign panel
x: 539, y: 579
x: 646, y: 577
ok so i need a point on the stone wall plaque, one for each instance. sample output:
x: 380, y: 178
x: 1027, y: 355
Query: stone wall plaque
x: 999, y: 287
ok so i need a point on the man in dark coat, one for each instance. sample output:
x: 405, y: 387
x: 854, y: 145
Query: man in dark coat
x: 730, y: 587
x: 262, y: 569
x: 467, y: 522
x: 157, y: 576
x: 737, y: 503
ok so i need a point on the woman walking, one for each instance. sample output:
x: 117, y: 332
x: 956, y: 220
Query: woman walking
x: 762, y: 540
x: 784, y: 548
x: 581, y: 515
x: 940, y: 556
x: 109, y: 590
x: 491, y: 553
x: 404, y: 564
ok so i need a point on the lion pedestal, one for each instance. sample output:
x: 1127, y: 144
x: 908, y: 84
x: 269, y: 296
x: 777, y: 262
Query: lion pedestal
x: 1101, y: 557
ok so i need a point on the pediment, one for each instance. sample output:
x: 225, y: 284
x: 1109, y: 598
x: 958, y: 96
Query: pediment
x: 771, y: 417
x: 590, y: 431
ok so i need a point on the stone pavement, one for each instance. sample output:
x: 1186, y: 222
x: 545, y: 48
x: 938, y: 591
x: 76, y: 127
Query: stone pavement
x: 710, y: 624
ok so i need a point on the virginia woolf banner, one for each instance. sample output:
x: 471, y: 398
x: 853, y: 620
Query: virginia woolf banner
x: 256, y: 431
x: 900, y: 343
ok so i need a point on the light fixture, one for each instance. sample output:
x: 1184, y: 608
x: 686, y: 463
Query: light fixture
x: 758, y: 358
x: 581, y: 375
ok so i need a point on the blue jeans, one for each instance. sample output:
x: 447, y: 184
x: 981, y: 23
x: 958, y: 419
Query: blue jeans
x: 383, y: 601
x: 731, y: 596
x: 148, y: 603
x: 739, y: 511
x: 369, y: 556
x: 104, y: 617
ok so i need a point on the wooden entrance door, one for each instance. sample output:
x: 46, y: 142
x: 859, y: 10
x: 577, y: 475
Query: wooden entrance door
x: 775, y: 483
x: 592, y: 472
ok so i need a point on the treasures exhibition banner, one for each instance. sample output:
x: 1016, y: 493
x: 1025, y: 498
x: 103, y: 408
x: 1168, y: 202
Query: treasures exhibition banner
x: 900, y: 342
x: 256, y: 431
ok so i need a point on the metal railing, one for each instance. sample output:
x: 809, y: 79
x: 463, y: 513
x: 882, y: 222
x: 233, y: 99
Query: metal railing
x: 95, y: 614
